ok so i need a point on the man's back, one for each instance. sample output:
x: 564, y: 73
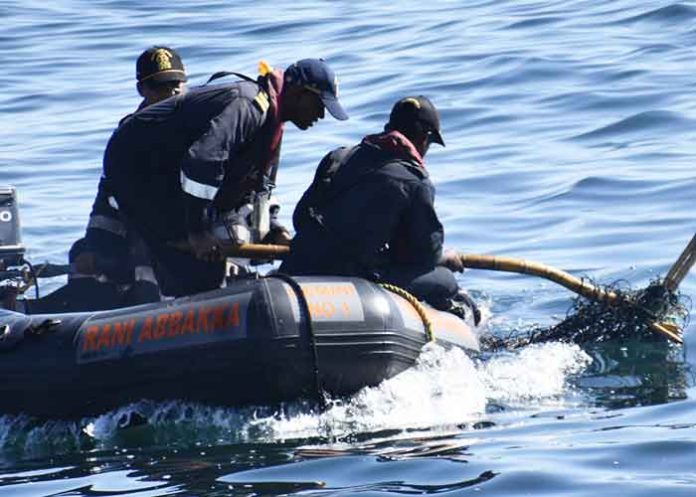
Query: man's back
x: 377, y: 211
x: 190, y: 130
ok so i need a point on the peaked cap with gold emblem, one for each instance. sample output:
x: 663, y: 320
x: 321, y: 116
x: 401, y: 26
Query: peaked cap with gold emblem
x: 159, y: 65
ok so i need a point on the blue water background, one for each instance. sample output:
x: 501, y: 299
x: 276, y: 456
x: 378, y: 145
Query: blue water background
x: 570, y: 129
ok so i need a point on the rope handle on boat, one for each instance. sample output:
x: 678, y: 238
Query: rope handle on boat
x: 420, y: 309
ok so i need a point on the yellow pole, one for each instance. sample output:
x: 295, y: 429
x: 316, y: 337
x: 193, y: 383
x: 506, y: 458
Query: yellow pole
x: 572, y: 283
x: 245, y: 250
x: 507, y: 264
x: 511, y: 265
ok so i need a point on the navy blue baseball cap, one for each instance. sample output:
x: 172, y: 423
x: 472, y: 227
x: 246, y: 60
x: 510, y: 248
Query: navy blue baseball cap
x: 317, y: 76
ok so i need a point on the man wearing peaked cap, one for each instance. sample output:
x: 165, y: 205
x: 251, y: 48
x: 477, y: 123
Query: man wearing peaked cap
x: 179, y: 165
x: 110, y: 253
x: 369, y: 212
x: 160, y: 74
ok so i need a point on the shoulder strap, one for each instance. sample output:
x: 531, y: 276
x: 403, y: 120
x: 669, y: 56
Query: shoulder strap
x: 332, y: 191
x: 222, y: 74
x: 261, y: 100
x: 338, y: 158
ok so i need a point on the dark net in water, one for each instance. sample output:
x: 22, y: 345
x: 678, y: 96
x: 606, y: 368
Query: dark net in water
x: 596, y: 322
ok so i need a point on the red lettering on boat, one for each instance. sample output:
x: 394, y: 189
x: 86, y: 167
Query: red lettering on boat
x: 123, y: 332
x: 175, y: 323
x: 105, y: 337
x: 189, y: 323
x: 146, y: 330
x: 346, y: 309
x: 203, y: 324
x: 321, y: 309
x: 90, y: 339
x: 233, y: 316
x: 218, y: 318
x: 160, y: 329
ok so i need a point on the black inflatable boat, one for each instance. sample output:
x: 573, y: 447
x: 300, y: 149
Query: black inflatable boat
x: 255, y: 342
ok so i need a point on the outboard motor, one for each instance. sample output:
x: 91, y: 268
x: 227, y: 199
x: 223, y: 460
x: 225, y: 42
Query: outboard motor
x: 11, y: 247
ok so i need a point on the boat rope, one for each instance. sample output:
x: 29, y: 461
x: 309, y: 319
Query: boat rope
x: 311, y: 336
x: 420, y: 309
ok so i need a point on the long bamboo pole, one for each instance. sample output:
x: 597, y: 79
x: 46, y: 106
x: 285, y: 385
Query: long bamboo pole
x: 572, y: 283
x: 507, y: 264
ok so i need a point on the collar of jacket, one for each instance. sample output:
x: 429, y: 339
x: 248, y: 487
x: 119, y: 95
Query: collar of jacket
x: 396, y: 143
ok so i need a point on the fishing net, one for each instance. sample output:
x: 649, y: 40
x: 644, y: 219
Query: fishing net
x: 595, y: 321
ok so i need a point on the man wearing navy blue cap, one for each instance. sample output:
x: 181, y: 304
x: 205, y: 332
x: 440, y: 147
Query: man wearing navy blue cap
x: 316, y: 76
x: 369, y: 212
x: 176, y: 165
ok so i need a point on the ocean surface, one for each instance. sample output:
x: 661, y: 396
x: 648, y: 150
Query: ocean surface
x: 570, y: 131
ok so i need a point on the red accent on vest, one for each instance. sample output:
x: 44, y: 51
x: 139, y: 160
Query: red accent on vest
x: 275, y: 97
x: 396, y: 143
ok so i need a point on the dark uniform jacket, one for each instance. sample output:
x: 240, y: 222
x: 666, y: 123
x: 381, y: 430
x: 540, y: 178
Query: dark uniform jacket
x: 169, y: 162
x: 106, y: 236
x: 173, y: 164
x: 368, y: 211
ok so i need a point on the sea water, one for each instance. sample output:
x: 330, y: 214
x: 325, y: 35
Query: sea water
x: 569, y: 130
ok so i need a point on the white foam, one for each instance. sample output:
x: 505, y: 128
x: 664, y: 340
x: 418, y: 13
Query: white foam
x: 445, y: 389
x: 534, y: 373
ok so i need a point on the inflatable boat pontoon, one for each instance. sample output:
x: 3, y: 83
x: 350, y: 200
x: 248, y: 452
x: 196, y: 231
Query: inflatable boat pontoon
x: 259, y: 341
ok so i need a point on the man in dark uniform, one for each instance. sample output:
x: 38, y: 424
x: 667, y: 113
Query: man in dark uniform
x: 369, y: 212
x: 176, y: 165
x: 109, y: 251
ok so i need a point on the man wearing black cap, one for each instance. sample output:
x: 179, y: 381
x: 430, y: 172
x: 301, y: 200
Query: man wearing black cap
x: 369, y: 211
x: 109, y: 251
x: 175, y: 166
x: 160, y: 74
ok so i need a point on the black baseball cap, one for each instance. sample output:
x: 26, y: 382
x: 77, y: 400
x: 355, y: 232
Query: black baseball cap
x: 317, y: 76
x: 159, y: 65
x: 417, y: 109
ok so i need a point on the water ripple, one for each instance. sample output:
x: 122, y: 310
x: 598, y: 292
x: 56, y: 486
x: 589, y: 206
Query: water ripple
x: 641, y: 123
x: 677, y: 12
x: 569, y: 130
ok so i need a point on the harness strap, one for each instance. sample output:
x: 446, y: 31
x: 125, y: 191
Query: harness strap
x: 309, y: 333
x: 261, y: 100
x: 222, y: 74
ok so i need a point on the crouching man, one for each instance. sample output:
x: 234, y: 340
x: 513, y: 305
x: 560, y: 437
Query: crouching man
x: 369, y: 212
